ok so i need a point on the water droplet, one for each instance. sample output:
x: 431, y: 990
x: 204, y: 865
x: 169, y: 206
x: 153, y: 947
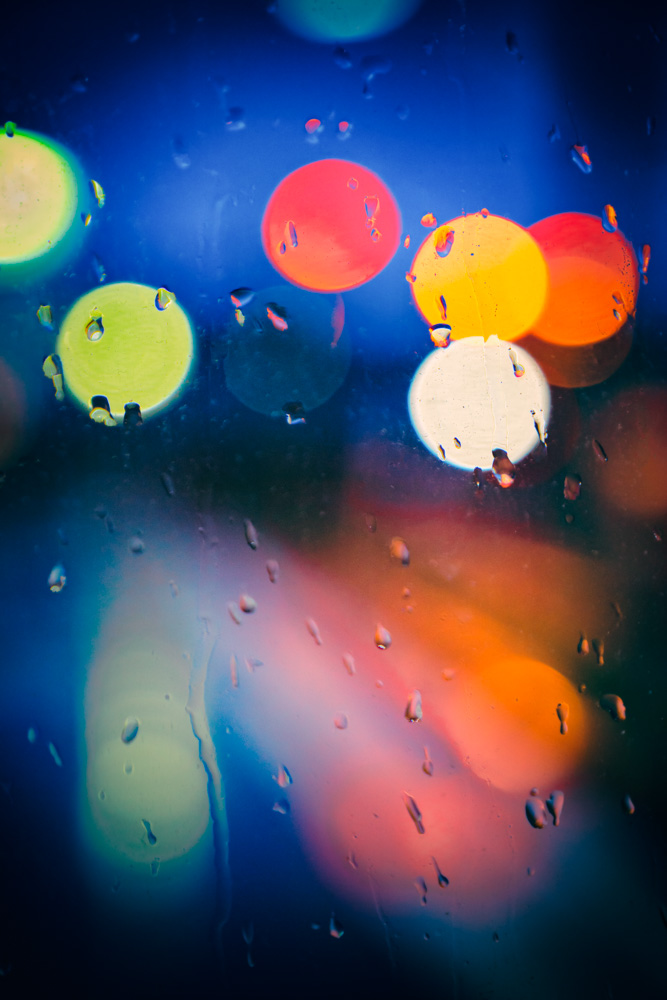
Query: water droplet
x: 616, y: 313
x: 152, y: 839
x: 422, y: 889
x: 503, y: 469
x: 563, y: 712
x: 164, y: 299
x: 250, y: 534
x: 239, y: 317
x: 376, y: 235
x: 413, y: 711
x: 311, y: 625
x: 247, y: 604
x: 284, y: 777
x: 598, y: 649
x: 443, y: 239
x: 290, y: 234
x: 32, y: 735
x: 484, y: 213
x: 99, y: 269
x: 399, y: 550
x: 353, y: 183
x: 336, y: 929
x: 580, y: 156
x: 414, y: 812
x: 45, y: 316
x: 168, y: 484
x: 609, y: 220
x: 517, y: 367
x: 132, y: 417
x: 628, y: 805
x: 98, y: 192
x: 53, y: 369
x: 409, y: 276
x: 443, y: 881
x: 342, y: 58
x: 57, y: 578
x: 241, y: 297
x: 340, y: 721
x: 234, y: 612
x: 614, y: 705
x: 85, y: 218
x: 427, y: 764
x: 478, y: 477
x: 312, y: 125
x: 281, y: 806
x: 372, y: 205
x: 136, y: 545
x: 282, y: 248
x: 273, y: 570
x: 344, y: 130
x: 583, y: 647
x: 429, y: 221
x: 536, y: 812
x: 382, y: 637
x: 130, y: 729
x: 646, y: 257
x: 406, y: 242
x: 449, y: 673
x: 95, y: 329
x: 441, y: 334
x: 279, y: 322
x: 572, y: 487
x: 555, y: 805
x: 352, y: 861
x: 56, y: 756
x: 10, y: 129
x: 348, y: 661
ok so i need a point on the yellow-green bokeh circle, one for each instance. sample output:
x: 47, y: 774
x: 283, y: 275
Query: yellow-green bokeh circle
x: 143, y: 356
x: 39, y: 196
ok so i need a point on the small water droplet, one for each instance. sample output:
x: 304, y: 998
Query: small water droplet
x: 281, y: 806
x: 484, y: 213
x: 277, y: 320
x: 427, y: 764
x: 336, y: 929
x: 429, y: 221
x: 441, y: 334
x: 250, y: 534
x: 53, y: 369
x: 382, y: 637
x: 376, y: 235
x: 598, y: 649
x: 353, y: 183
x: 273, y: 569
x: 164, y: 299
x: 234, y: 612
x: 628, y: 805
x: 95, y: 329
x: 312, y: 125
x: 443, y: 239
x: 342, y: 58
x: 284, y: 777
x: 290, y: 234
x: 98, y: 192
x: 130, y: 729
x: 340, y: 721
x: 152, y: 839
x: 563, y: 712
x: 609, y: 220
x: 136, y: 545
x: 45, y: 316
x: 311, y: 625
x: 247, y: 604
x: 10, y: 129
x: 57, y: 578
x: 572, y: 487
x: 241, y: 297
x: 583, y: 647
x: 413, y: 711
x: 517, y: 367
x: 646, y: 257
x: 32, y: 735
x: 414, y: 812
x: 168, y: 483
x: 422, y: 889
x: 555, y: 806
x: 132, y: 415
x: 398, y: 550
x: 536, y: 812
x: 56, y: 756
x: 503, y: 469
x: 372, y: 205
x: 443, y: 881
x: 614, y: 705
x: 282, y: 248
x: 348, y: 661
x: 580, y: 156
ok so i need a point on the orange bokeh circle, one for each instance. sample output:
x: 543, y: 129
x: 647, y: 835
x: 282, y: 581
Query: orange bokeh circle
x: 330, y: 226
x: 593, y: 279
x: 493, y: 278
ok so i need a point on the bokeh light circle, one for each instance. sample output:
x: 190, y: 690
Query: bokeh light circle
x: 345, y: 20
x: 143, y: 355
x: 466, y: 400
x: 346, y: 223
x: 593, y: 279
x: 493, y: 278
x: 39, y: 196
x: 267, y: 368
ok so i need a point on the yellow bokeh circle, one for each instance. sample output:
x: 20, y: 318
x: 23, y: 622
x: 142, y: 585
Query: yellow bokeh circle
x: 39, y: 195
x: 490, y: 280
x: 142, y: 355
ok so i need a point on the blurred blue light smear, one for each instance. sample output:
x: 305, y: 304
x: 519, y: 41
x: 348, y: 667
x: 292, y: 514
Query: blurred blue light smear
x: 456, y: 121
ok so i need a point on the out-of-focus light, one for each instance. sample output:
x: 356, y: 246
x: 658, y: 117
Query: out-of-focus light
x: 40, y: 191
x: 345, y: 20
x: 290, y: 363
x: 471, y: 398
x: 593, y: 279
x: 489, y: 271
x: 115, y: 343
x: 344, y: 233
